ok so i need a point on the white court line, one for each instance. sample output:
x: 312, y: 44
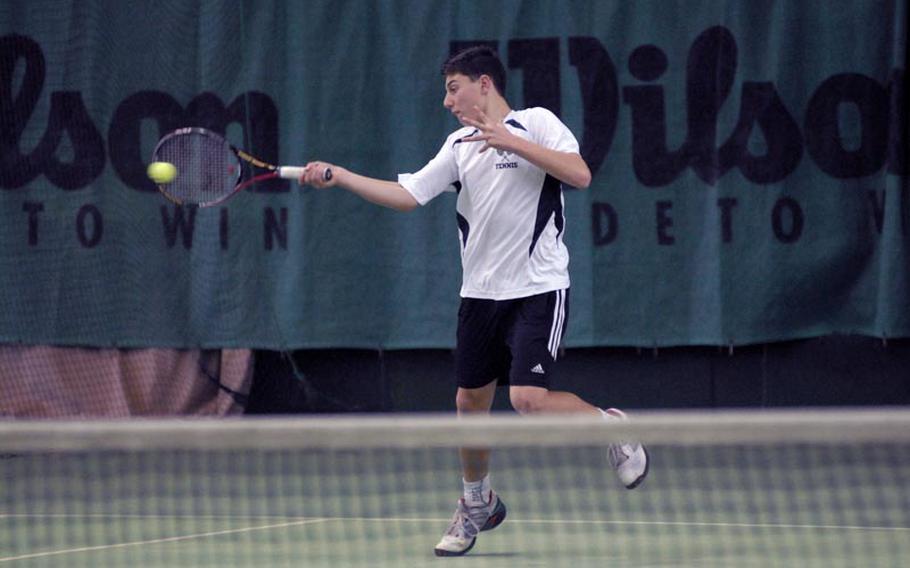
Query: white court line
x: 645, y: 523
x: 420, y: 520
x: 298, y: 520
x: 150, y: 516
x: 160, y: 540
x: 721, y: 525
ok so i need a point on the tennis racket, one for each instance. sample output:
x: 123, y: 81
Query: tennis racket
x: 210, y: 170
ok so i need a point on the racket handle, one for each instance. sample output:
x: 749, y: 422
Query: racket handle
x: 296, y: 172
x: 291, y: 172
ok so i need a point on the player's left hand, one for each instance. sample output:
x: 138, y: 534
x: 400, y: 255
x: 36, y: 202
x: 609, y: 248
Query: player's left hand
x: 494, y: 134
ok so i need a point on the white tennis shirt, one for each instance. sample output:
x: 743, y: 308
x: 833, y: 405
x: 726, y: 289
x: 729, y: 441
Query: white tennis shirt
x: 509, y: 211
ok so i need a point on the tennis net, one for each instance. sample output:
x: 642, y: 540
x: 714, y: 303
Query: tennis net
x: 770, y: 488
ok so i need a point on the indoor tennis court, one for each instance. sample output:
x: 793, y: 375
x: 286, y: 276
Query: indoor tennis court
x: 833, y: 495
x: 495, y: 283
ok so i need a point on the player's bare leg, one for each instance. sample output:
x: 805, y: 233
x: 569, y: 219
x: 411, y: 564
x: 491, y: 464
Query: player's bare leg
x: 475, y: 462
x: 479, y: 509
x: 628, y: 459
x: 538, y: 400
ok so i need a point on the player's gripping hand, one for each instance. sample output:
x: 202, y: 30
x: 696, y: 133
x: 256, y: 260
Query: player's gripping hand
x: 320, y: 175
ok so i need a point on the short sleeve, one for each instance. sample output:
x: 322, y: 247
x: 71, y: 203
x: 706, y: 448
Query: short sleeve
x: 550, y: 132
x: 437, y: 176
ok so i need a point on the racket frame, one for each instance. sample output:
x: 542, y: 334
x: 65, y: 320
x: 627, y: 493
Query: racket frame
x: 272, y: 171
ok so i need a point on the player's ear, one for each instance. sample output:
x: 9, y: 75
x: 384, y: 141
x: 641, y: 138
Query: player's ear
x: 485, y: 84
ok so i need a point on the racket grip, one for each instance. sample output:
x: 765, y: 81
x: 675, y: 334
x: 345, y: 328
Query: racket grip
x: 296, y: 172
x: 291, y: 172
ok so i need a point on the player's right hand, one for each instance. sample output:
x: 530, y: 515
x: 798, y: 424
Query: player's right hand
x: 315, y: 175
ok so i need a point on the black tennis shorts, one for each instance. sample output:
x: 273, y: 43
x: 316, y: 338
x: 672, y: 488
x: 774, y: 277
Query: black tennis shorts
x: 512, y: 341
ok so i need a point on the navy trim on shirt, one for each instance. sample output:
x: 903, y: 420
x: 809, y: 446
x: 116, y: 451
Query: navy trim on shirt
x: 549, y: 204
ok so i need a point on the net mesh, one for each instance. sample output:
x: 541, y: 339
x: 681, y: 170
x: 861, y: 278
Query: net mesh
x: 208, y: 169
x: 778, y: 489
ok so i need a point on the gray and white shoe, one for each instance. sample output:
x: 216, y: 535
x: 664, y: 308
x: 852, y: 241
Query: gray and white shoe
x: 629, y: 459
x: 468, y: 521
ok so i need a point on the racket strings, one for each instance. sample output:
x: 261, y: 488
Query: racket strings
x: 207, y: 168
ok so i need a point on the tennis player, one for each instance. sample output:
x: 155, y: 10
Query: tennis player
x: 507, y: 167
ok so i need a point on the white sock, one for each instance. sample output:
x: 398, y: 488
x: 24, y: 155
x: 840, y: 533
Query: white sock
x: 615, y: 415
x: 609, y: 416
x: 477, y: 492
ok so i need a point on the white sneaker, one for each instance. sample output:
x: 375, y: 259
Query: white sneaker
x: 629, y: 459
x: 461, y: 535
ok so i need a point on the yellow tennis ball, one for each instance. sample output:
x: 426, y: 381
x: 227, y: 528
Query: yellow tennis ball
x: 162, y: 172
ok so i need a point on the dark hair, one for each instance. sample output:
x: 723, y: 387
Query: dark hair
x: 476, y: 61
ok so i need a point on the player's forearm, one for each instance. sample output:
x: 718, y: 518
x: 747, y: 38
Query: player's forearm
x: 381, y: 192
x: 567, y: 167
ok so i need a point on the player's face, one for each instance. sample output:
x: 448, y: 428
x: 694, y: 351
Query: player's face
x: 462, y: 95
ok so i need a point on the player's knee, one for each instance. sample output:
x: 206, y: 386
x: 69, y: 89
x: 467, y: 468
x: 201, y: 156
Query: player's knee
x: 528, y: 401
x: 472, y: 400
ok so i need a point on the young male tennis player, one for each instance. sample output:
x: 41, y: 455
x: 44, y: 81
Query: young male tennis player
x: 506, y: 166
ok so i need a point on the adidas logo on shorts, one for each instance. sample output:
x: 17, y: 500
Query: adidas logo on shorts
x: 538, y: 368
